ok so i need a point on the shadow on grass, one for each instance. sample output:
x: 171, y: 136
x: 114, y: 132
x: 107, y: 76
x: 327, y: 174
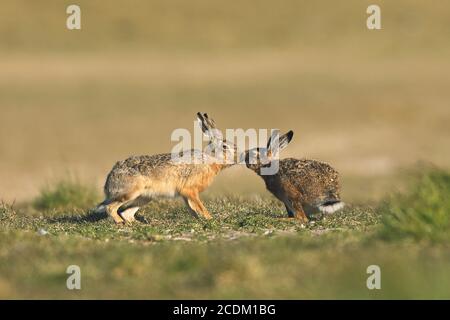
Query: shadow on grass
x: 89, y: 217
x: 92, y: 217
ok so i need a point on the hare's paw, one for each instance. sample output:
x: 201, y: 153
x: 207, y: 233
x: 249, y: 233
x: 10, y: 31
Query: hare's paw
x: 128, y: 215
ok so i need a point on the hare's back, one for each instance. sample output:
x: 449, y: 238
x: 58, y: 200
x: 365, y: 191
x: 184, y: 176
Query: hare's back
x: 305, y: 166
x: 143, y: 165
x: 132, y: 172
x: 161, y: 173
x: 309, y: 174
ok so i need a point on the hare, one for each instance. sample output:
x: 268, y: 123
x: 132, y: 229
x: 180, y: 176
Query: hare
x: 133, y: 182
x: 302, y: 185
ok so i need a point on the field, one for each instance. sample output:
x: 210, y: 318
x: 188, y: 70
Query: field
x: 374, y: 104
x: 249, y: 249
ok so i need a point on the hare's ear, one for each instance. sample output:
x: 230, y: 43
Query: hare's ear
x: 208, y: 126
x: 215, y: 136
x: 285, y: 139
x: 205, y: 122
x: 277, y: 143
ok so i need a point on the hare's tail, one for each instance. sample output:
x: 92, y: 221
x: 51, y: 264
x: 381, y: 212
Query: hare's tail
x: 101, y: 207
x: 332, y: 206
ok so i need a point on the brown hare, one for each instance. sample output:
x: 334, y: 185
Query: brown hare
x: 302, y: 185
x: 133, y: 182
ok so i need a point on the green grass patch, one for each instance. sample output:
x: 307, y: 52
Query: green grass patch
x: 300, y: 267
x: 66, y: 194
x: 422, y: 213
x: 169, y: 220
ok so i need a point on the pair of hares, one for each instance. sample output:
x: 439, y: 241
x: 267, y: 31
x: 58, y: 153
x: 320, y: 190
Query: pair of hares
x: 302, y: 185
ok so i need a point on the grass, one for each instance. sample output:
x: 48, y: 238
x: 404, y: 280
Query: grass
x: 66, y: 194
x: 247, y: 251
x: 234, y: 218
x: 423, y: 212
x: 276, y: 267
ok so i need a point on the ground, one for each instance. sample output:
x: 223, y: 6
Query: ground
x: 249, y: 250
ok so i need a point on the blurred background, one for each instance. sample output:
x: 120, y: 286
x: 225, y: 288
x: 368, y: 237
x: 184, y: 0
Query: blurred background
x: 372, y: 103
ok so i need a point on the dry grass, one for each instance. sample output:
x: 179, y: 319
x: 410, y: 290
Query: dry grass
x: 368, y: 102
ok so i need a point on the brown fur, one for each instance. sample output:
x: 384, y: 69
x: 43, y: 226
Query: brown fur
x: 302, y: 185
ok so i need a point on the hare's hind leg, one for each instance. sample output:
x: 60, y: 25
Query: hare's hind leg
x: 125, y: 202
x: 195, y: 205
x: 112, y: 208
x: 128, y: 214
x: 128, y: 209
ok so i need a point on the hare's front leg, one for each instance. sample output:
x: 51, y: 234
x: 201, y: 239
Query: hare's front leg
x: 290, y: 212
x: 195, y: 205
x: 295, y: 210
